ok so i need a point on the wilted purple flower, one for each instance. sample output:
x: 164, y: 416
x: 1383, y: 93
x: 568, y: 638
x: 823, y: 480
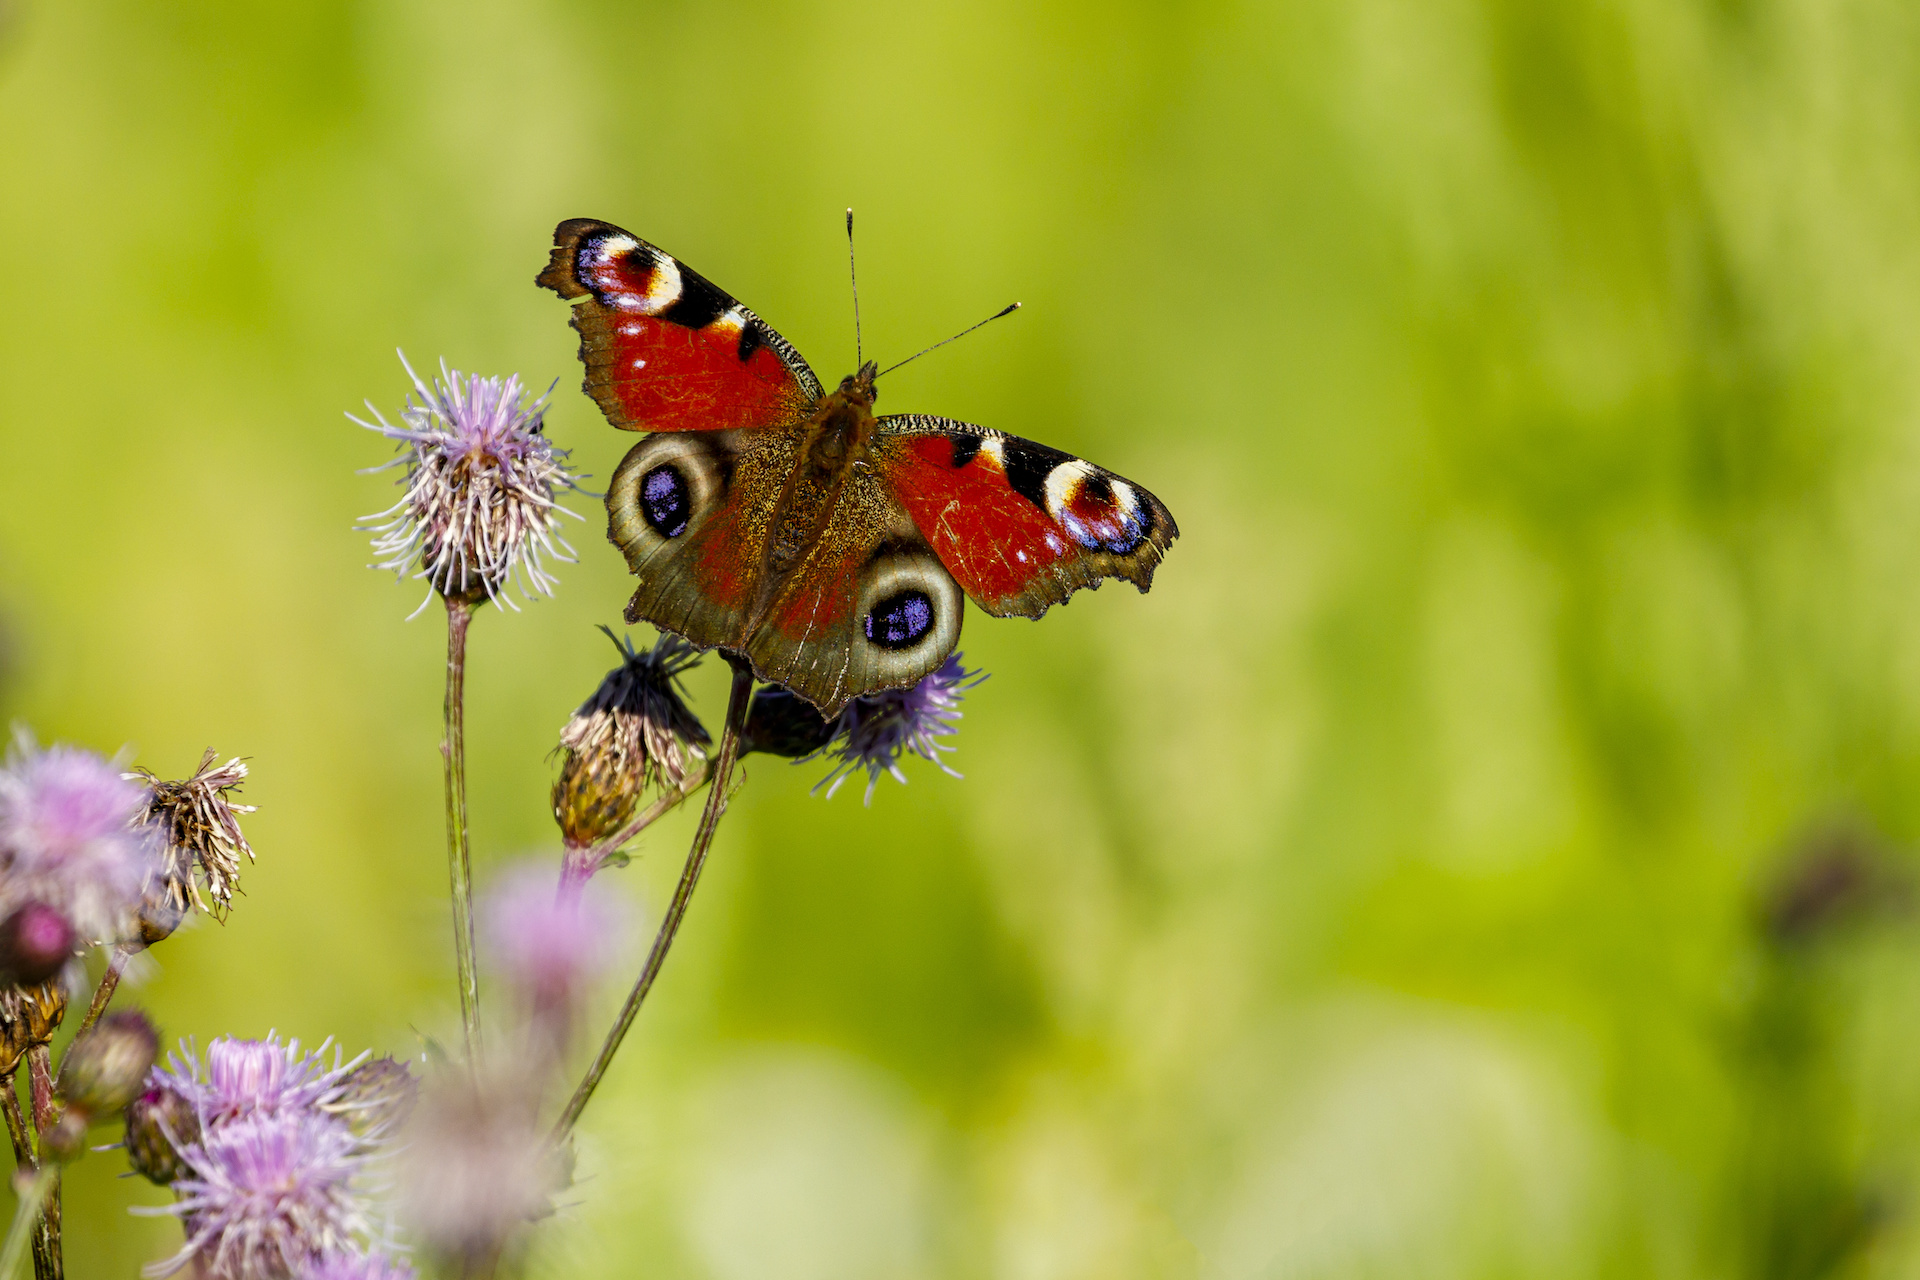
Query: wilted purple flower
x: 267, y: 1197
x: 248, y: 1076
x: 876, y: 730
x: 480, y: 479
x: 360, y: 1266
x: 550, y: 941
x: 199, y: 828
x: 66, y: 839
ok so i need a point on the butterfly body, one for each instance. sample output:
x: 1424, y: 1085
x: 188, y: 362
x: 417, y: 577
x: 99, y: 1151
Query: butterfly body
x: 771, y: 518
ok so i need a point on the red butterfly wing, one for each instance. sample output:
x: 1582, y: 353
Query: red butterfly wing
x: 1019, y: 525
x: 665, y: 348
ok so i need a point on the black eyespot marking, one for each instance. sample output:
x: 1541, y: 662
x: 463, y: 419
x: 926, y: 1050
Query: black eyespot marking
x: 901, y: 620
x: 1028, y: 466
x: 965, y: 447
x: 1096, y: 490
x: 751, y: 340
x: 665, y: 502
x: 700, y: 303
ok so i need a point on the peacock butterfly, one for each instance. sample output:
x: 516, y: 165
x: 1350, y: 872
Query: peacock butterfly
x: 771, y: 518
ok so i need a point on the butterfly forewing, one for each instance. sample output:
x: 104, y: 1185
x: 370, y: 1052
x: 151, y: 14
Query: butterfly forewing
x: 665, y: 348
x: 1021, y: 526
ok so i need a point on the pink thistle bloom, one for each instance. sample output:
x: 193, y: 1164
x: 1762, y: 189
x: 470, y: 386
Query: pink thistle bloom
x: 360, y: 1266
x: 480, y: 478
x: 876, y: 730
x: 550, y: 941
x: 267, y: 1196
x: 67, y: 839
x: 244, y: 1077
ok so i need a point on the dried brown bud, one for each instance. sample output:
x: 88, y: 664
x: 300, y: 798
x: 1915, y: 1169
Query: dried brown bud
x: 28, y: 1017
x: 636, y: 729
x: 200, y: 828
x: 107, y: 1067
x: 160, y: 1121
x: 35, y: 943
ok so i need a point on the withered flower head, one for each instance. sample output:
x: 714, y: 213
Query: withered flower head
x: 480, y: 478
x: 199, y: 827
x: 28, y: 1017
x: 634, y: 730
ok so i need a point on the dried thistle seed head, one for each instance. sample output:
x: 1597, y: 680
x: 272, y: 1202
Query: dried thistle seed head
x: 160, y: 1122
x: 376, y: 1097
x: 199, y: 827
x: 35, y: 944
x: 28, y: 1017
x: 876, y: 730
x: 107, y: 1068
x: 480, y: 480
x: 636, y: 729
x: 782, y: 723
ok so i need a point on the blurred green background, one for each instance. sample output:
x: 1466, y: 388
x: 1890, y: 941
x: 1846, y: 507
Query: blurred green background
x: 1483, y: 854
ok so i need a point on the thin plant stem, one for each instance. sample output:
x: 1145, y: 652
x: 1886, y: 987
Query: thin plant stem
x: 580, y: 864
x: 103, y: 994
x: 459, y: 857
x: 25, y: 1218
x: 737, y: 703
x: 47, y: 1261
x: 16, y: 1123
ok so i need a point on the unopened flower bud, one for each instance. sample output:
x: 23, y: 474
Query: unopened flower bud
x: 782, y: 723
x: 107, y: 1067
x: 159, y: 1122
x: 36, y: 941
x: 376, y: 1097
x: 635, y: 729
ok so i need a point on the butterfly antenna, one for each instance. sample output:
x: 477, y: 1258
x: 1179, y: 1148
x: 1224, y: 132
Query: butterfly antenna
x: 854, y: 276
x: 1007, y: 310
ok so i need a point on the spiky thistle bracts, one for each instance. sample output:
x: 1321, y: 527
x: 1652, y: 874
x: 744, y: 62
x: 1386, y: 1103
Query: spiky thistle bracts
x: 479, y: 510
x: 198, y: 824
x: 876, y: 730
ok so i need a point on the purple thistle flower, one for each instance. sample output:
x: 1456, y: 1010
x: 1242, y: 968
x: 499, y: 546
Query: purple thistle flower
x: 267, y: 1197
x: 551, y: 941
x: 480, y: 478
x: 66, y: 838
x: 360, y: 1266
x: 876, y: 730
x: 244, y: 1077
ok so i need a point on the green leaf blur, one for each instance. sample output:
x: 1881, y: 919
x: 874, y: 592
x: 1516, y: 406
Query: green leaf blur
x: 1481, y: 855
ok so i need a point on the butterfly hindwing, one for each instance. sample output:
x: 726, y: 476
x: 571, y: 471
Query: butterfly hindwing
x: 1021, y: 526
x: 665, y: 348
x: 865, y: 605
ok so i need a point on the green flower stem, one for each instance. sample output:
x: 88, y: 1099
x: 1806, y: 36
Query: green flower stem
x: 737, y: 705
x: 459, y: 857
x: 47, y: 1261
x: 25, y: 1218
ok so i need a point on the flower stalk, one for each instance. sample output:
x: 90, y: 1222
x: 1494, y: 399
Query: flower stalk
x: 738, y: 702
x: 459, y: 856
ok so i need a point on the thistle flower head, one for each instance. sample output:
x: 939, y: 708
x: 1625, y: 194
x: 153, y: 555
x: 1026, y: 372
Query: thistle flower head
x: 375, y: 1098
x: 360, y: 1266
x: 876, y: 730
x: 29, y: 1017
x: 267, y: 1196
x: 782, y: 723
x: 635, y: 729
x: 159, y: 1123
x: 36, y: 942
x: 479, y: 508
x: 67, y: 840
x: 550, y: 940
x: 199, y: 827
x: 248, y: 1076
